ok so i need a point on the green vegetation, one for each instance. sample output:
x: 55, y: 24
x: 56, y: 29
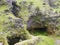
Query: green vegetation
x: 3, y: 40
x: 12, y: 26
x: 46, y: 41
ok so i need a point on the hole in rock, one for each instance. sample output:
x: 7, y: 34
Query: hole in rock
x: 44, y: 29
x: 12, y: 41
x: 39, y: 31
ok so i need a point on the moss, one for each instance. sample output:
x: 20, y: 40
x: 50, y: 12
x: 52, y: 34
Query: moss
x: 23, y: 14
x: 3, y: 7
x: 3, y: 40
x: 46, y: 41
x: 5, y: 24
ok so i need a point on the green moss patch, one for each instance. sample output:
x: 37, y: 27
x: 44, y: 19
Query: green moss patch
x: 46, y: 41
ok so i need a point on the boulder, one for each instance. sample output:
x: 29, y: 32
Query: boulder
x: 47, y: 18
x: 33, y: 41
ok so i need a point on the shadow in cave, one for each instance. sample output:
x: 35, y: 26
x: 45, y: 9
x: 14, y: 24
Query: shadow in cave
x: 39, y: 31
x: 15, y: 9
x: 12, y: 41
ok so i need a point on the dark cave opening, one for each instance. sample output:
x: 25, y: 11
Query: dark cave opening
x: 12, y: 41
x: 42, y: 31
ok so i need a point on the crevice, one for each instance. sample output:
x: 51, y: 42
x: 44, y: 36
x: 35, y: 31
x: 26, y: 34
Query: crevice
x: 42, y: 31
x: 14, y: 40
x: 15, y: 9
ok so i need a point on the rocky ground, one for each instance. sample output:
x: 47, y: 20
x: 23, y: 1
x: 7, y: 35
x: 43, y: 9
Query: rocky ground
x: 20, y: 18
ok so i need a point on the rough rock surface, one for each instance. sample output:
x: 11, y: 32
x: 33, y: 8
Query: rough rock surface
x: 29, y: 15
x: 32, y: 41
x: 42, y: 19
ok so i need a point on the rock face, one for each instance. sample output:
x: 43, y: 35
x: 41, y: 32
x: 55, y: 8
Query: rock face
x: 36, y: 17
x: 23, y: 15
x: 13, y: 28
x: 44, y: 19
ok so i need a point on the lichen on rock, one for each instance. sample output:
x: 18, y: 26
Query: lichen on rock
x: 16, y: 16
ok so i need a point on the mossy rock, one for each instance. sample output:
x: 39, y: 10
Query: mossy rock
x: 3, y: 40
x: 11, y: 27
x: 33, y: 41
